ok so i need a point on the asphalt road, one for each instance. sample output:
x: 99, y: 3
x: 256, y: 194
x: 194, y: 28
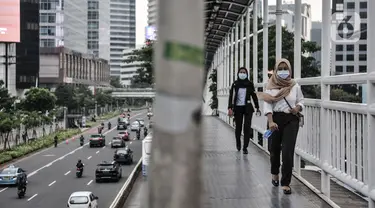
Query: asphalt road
x: 51, y: 173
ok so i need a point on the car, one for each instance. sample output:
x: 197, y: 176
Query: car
x: 135, y: 126
x: 117, y: 142
x: 150, y: 114
x: 10, y: 174
x: 122, y: 135
x: 106, y: 170
x: 83, y: 199
x: 141, y: 122
x: 122, y: 125
x: 97, y: 140
x: 123, y: 156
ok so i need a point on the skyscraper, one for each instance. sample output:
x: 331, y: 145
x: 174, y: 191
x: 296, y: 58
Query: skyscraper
x: 152, y: 9
x: 98, y: 28
x: 349, y: 56
x: 64, y: 23
x: 122, y: 31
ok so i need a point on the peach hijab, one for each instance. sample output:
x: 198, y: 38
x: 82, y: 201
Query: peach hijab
x: 275, y: 82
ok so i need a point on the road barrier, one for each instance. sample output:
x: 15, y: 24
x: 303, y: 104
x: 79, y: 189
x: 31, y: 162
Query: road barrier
x: 123, y: 194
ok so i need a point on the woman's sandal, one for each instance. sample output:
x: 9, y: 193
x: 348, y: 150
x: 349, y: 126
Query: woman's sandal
x: 275, y: 182
x: 287, y: 191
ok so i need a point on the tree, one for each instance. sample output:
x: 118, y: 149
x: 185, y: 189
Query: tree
x: 213, y: 89
x: 65, y: 95
x: 7, y: 124
x: 115, y: 82
x: 31, y: 120
x: 144, y: 56
x: 6, y: 100
x: 103, y: 98
x: 39, y: 99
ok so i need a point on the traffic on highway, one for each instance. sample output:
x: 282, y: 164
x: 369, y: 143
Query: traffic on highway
x: 54, y: 180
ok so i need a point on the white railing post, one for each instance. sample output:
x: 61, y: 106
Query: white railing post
x: 297, y: 62
x: 371, y: 101
x: 325, y: 140
x: 247, y: 64
x: 232, y: 55
x: 279, y: 13
x: 236, y: 51
x: 242, y: 30
x: 265, y: 42
x: 228, y: 62
x: 255, y: 42
x: 179, y: 84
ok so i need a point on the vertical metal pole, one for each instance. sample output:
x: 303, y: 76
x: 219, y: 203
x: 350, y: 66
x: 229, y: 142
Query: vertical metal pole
x: 224, y: 62
x: 65, y: 118
x: 325, y: 72
x: 248, y: 39
x: 279, y: 13
x: 236, y: 51
x: 175, y: 169
x: 297, y: 39
x: 265, y: 42
x: 255, y: 42
x: 232, y: 56
x: 242, y: 31
x: 371, y: 101
x: 228, y: 62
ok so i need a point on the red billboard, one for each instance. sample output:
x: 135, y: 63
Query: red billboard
x: 10, y: 21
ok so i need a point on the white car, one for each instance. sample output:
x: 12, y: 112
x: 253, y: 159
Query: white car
x: 83, y: 199
x: 135, y: 126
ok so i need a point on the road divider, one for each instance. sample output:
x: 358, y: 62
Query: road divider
x: 124, y: 192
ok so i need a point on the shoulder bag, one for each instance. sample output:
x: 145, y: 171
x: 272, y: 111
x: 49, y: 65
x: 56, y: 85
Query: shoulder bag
x: 299, y: 115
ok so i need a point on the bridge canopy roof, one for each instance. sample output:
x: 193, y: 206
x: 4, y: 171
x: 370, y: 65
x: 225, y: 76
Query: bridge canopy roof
x: 221, y: 16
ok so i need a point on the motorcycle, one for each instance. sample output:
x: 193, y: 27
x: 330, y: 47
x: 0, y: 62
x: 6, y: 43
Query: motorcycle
x: 138, y: 135
x: 109, y: 126
x: 79, y: 172
x: 21, y: 192
x: 145, y: 133
x: 81, y: 142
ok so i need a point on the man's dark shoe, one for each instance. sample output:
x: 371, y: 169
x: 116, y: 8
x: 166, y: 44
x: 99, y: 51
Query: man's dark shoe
x: 245, y: 151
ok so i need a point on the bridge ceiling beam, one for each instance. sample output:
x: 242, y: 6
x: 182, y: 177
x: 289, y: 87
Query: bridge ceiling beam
x: 220, y: 17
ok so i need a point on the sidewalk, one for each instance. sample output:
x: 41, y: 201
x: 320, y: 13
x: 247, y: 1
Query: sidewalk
x: 234, y: 180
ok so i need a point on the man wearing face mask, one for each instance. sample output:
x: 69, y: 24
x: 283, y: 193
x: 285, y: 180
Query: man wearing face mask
x: 283, y: 102
x: 240, y: 105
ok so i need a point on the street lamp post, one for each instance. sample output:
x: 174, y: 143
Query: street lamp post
x: 175, y: 168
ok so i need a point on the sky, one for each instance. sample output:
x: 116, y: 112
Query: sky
x: 141, y: 15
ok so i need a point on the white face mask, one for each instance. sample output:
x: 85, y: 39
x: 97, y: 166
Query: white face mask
x: 242, y: 76
x: 283, y: 74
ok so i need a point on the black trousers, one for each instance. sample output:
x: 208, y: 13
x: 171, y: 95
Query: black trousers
x: 283, y: 140
x: 243, y: 119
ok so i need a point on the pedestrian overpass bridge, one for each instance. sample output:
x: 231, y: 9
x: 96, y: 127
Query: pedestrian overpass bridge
x: 337, y: 141
x: 133, y: 93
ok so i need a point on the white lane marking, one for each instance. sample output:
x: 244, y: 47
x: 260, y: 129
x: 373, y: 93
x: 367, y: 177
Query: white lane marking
x: 32, y: 197
x: 89, y: 157
x: 67, y: 173
x: 49, y: 164
x: 52, y: 183
x: 89, y: 183
x: 103, y: 147
x: 130, y: 142
x: 49, y: 155
x: 97, y: 152
x: 109, y: 142
x: 3, y: 189
x: 32, y: 173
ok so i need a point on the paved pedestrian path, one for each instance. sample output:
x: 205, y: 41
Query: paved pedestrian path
x: 234, y: 180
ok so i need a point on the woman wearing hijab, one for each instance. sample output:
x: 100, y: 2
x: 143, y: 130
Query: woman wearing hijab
x: 283, y: 101
x: 240, y: 105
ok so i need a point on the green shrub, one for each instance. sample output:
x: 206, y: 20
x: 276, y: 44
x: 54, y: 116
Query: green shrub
x: 47, y: 141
